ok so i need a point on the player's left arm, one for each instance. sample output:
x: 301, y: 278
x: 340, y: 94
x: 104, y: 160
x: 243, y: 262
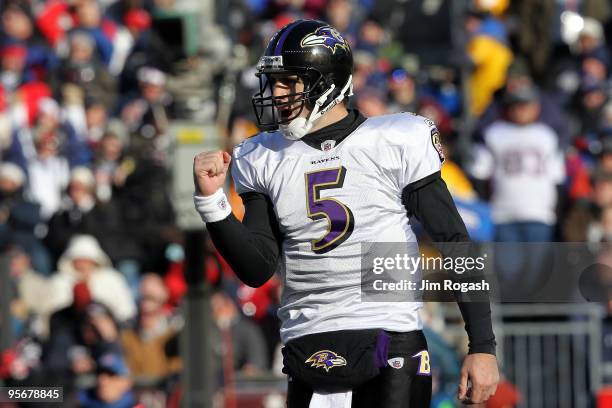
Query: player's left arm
x: 427, y: 198
x: 431, y: 203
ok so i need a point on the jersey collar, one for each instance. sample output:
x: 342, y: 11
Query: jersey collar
x: 336, y: 132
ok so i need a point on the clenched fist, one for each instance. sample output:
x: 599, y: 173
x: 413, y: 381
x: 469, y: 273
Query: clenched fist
x: 209, y: 171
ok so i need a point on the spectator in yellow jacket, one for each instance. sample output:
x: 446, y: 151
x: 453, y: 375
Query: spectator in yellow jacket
x: 490, y: 55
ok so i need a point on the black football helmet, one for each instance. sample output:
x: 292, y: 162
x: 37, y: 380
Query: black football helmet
x: 320, y: 57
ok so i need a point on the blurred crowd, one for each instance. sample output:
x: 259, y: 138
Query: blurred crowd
x: 89, y: 90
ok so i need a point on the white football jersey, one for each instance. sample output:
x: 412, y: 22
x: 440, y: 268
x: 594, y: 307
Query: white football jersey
x: 329, y: 202
x: 525, y: 165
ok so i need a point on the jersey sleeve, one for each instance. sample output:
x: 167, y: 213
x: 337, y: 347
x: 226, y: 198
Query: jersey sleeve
x: 243, y: 172
x: 422, y: 154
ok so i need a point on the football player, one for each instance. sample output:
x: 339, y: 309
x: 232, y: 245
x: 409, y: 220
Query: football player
x: 317, y: 184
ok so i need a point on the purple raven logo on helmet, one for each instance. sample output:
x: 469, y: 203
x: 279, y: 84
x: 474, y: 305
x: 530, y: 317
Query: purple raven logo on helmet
x: 327, y: 36
x: 326, y: 359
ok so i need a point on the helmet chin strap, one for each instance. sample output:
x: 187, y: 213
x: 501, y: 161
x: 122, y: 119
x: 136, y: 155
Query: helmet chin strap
x: 300, y: 126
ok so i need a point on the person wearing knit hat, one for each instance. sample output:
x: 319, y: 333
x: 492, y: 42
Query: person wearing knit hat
x: 151, y: 76
x: 148, y: 114
x: 147, y: 47
x: 85, y: 261
x: 11, y: 173
x: 13, y: 57
x: 83, y: 256
x: 137, y: 20
x: 591, y: 35
x: 592, y: 50
x: 49, y: 107
x: 76, y: 213
x: 12, y: 179
x: 48, y: 170
x: 82, y: 188
x: 83, y: 175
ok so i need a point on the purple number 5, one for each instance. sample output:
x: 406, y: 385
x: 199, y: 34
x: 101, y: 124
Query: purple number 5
x: 340, y: 220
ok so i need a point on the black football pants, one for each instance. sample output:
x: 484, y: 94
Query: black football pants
x: 408, y: 384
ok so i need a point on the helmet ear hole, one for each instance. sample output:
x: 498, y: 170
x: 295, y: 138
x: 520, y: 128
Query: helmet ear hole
x: 323, y: 85
x: 313, y: 86
x: 319, y: 86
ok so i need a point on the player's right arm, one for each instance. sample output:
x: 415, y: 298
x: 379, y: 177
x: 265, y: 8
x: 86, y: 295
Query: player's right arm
x: 252, y: 247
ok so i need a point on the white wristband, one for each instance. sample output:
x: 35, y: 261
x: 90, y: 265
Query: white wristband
x: 214, y: 207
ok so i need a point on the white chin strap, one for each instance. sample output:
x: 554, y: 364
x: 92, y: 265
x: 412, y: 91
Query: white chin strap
x: 300, y: 126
